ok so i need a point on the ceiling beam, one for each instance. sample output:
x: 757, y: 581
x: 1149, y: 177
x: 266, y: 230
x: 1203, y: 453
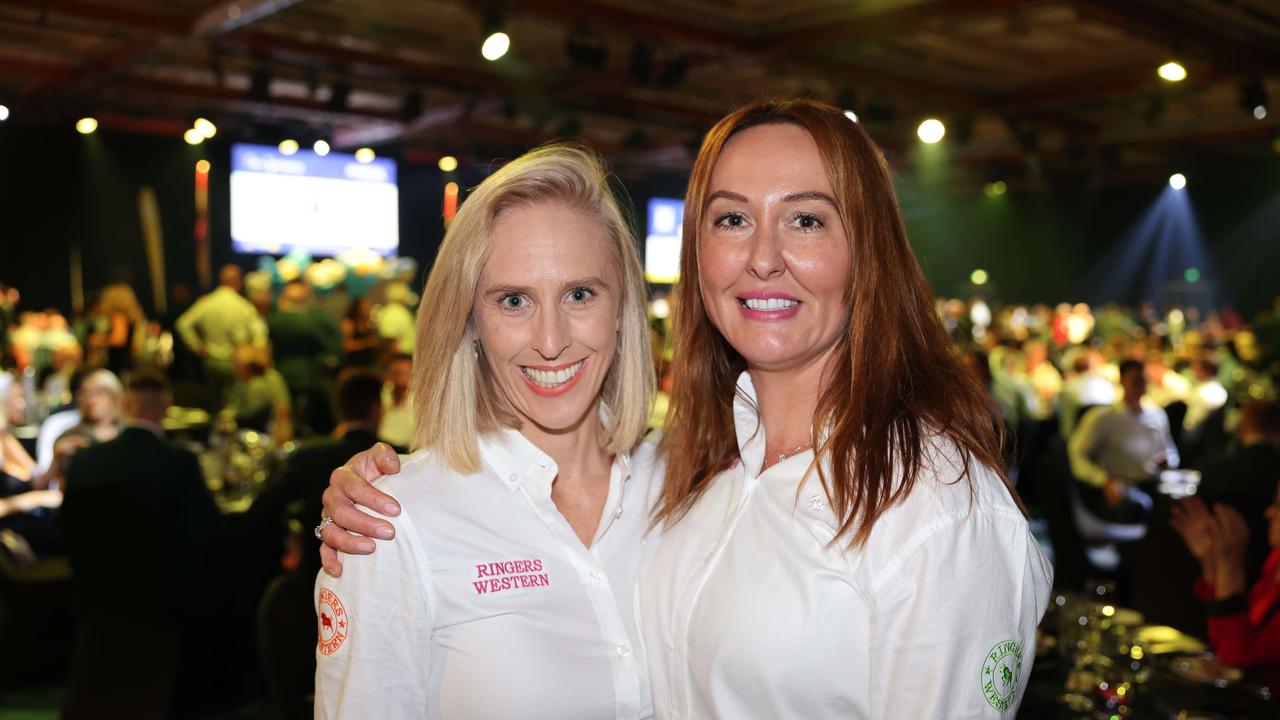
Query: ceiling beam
x: 223, y: 16
x: 112, y: 13
x: 886, y: 24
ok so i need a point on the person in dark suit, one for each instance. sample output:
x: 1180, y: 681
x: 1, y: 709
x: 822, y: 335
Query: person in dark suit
x: 277, y: 541
x: 1247, y: 479
x: 295, y: 490
x: 305, y: 345
x: 142, y: 534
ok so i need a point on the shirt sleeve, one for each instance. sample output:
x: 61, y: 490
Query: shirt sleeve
x: 1083, y: 447
x: 954, y: 622
x: 373, y: 654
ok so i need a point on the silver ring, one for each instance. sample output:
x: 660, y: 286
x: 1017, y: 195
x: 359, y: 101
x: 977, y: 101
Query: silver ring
x: 324, y: 523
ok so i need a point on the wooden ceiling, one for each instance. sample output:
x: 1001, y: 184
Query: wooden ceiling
x: 1071, y: 83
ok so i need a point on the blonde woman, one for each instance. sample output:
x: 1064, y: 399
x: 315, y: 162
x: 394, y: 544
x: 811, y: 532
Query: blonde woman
x: 517, y: 548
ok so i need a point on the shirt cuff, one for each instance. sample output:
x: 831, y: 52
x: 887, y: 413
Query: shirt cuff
x: 1234, y: 605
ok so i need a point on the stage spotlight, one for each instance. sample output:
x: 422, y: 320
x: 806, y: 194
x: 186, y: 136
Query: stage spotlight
x: 4, y: 113
x: 365, y: 155
x: 205, y: 128
x: 1191, y: 275
x: 931, y: 131
x: 321, y: 148
x: 995, y: 189
x: 979, y: 277
x: 851, y: 115
x: 1177, y: 181
x: 495, y: 46
x: 1260, y: 112
x: 202, y: 167
x: 288, y: 147
x: 448, y: 163
x: 1172, y: 71
x: 193, y: 137
x: 86, y: 125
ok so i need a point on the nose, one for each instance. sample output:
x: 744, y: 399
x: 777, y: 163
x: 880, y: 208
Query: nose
x: 552, y: 334
x: 766, y: 261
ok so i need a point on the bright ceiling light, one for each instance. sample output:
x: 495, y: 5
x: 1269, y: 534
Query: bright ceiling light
x: 448, y: 163
x: 1172, y: 71
x: 931, y: 131
x: 495, y: 46
x: 979, y: 277
x: 288, y: 147
x: 86, y: 125
x: 851, y: 115
x: 202, y: 167
x: 1177, y: 181
x: 365, y: 155
x: 321, y: 148
x: 4, y: 113
x: 1260, y: 112
x: 205, y: 128
x: 193, y: 137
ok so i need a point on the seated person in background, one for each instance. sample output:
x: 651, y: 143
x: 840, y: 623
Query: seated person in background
x: 171, y: 529
x: 1117, y: 448
x: 296, y: 488
x: 1206, y: 396
x: 397, y: 410
x: 16, y: 466
x: 1248, y: 478
x: 1085, y: 386
x: 1244, y: 629
x: 101, y: 399
x: 60, y: 420
x: 259, y: 400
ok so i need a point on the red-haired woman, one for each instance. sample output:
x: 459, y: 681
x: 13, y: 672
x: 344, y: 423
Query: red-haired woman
x: 840, y: 539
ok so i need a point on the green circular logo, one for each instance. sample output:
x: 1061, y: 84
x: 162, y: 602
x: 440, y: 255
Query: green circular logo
x: 1001, y: 669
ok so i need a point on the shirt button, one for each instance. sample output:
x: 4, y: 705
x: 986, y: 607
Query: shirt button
x: 624, y: 651
x: 595, y: 579
x: 513, y: 477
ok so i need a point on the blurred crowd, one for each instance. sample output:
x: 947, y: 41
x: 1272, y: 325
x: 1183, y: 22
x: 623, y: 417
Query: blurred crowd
x: 1146, y: 444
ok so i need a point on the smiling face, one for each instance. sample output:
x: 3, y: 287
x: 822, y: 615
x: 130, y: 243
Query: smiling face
x: 773, y: 254
x: 546, y: 313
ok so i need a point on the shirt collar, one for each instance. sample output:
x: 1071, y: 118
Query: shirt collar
x: 517, y: 461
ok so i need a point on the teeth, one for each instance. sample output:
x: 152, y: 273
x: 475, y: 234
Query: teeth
x: 552, y: 378
x: 770, y: 304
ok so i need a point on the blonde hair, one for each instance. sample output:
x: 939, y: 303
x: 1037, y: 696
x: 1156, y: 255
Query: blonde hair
x: 454, y: 403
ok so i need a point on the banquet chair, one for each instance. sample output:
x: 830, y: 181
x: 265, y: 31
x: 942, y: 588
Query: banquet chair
x: 287, y: 644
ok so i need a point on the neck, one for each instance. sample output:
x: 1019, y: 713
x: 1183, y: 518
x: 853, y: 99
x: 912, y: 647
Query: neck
x: 578, y: 450
x: 788, y: 402
x: 1133, y: 404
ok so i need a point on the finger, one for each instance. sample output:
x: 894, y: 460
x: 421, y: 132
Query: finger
x: 386, y: 458
x: 354, y: 485
x: 352, y: 519
x: 330, y: 561
x: 337, y: 539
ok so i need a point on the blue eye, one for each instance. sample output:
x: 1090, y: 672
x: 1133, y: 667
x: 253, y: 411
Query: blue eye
x: 513, y: 302
x: 581, y: 294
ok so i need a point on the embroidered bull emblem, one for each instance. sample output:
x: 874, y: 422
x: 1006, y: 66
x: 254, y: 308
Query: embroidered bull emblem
x: 325, y: 622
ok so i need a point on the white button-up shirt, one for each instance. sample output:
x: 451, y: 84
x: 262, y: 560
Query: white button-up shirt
x: 486, y: 604
x: 747, y: 611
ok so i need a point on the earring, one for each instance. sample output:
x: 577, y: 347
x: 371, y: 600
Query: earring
x: 475, y: 349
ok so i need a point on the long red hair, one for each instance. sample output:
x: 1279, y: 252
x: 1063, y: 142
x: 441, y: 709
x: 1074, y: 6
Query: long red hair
x: 895, y: 379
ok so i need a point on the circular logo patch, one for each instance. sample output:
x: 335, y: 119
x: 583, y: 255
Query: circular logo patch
x: 1001, y: 670
x: 333, y: 622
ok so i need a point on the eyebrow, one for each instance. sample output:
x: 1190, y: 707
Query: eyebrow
x: 789, y: 197
x: 590, y: 281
